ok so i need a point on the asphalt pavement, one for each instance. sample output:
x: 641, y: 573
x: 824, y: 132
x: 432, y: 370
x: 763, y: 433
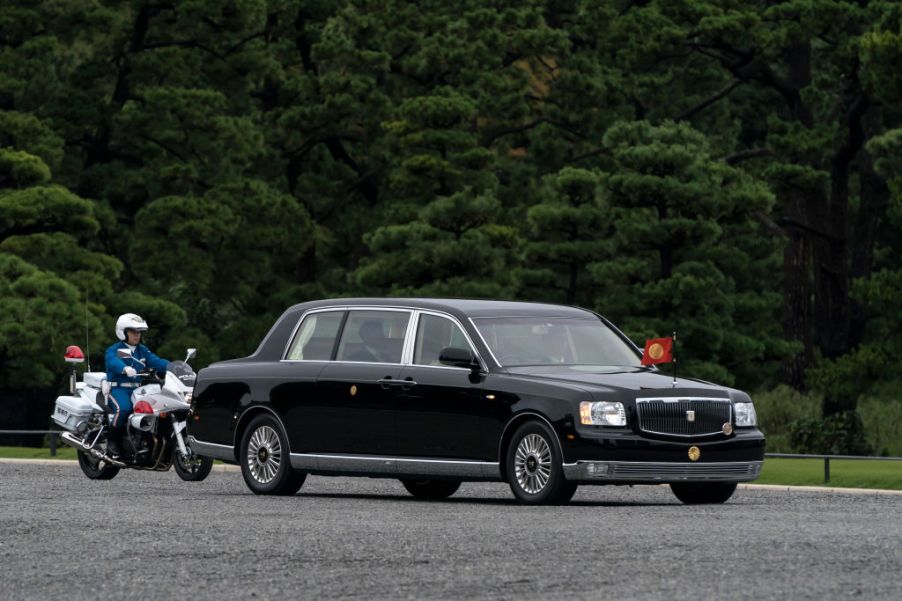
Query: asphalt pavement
x: 151, y: 536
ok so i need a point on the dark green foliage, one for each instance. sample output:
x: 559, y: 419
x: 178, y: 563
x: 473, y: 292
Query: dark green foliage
x: 837, y: 434
x: 726, y: 170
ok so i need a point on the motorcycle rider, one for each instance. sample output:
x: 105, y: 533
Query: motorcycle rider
x: 122, y: 373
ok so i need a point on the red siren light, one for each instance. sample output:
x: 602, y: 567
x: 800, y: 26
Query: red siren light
x: 74, y: 354
x: 143, y: 407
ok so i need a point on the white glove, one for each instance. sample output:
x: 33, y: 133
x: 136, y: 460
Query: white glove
x: 130, y: 371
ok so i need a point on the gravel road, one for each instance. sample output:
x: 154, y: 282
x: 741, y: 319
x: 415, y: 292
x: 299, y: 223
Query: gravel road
x: 148, y: 536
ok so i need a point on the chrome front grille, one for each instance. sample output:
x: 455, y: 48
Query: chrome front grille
x: 684, y: 416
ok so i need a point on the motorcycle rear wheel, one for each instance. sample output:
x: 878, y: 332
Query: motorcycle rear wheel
x: 92, y: 468
x: 194, y: 469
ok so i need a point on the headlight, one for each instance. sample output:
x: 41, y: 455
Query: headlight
x: 745, y: 415
x: 604, y: 413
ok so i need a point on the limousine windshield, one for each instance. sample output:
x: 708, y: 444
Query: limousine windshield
x: 522, y: 341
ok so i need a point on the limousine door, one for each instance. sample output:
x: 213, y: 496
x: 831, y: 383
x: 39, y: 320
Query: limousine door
x: 356, y: 412
x: 440, y: 408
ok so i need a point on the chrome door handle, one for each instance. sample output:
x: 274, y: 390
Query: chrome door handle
x: 387, y: 381
x: 408, y: 384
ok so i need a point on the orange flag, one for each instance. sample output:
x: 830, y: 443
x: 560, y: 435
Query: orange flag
x: 657, y: 350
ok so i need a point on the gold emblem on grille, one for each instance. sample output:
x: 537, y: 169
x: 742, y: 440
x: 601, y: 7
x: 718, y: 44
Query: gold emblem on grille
x: 694, y: 453
x: 353, y: 390
x: 727, y: 428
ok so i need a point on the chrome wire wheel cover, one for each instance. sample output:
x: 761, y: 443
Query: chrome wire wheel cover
x: 532, y: 463
x: 264, y: 454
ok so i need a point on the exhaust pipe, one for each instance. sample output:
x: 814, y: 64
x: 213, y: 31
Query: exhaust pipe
x: 73, y: 441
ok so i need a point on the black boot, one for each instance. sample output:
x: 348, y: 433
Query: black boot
x: 113, y: 446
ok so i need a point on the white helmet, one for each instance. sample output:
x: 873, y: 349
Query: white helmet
x: 129, y: 321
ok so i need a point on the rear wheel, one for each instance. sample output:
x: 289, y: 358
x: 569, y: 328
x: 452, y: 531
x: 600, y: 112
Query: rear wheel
x: 265, y: 461
x: 94, y: 468
x: 431, y: 489
x: 193, y: 469
x: 703, y: 493
x: 534, y: 469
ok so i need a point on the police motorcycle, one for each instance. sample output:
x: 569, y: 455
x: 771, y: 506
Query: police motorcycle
x: 154, y: 438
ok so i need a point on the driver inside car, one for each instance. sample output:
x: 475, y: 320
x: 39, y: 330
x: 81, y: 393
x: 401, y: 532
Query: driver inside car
x: 122, y: 374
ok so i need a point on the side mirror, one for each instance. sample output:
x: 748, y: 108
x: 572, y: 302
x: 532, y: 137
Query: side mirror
x: 458, y: 357
x: 124, y: 353
x: 191, y: 353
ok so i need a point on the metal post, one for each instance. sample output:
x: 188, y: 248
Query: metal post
x: 826, y: 469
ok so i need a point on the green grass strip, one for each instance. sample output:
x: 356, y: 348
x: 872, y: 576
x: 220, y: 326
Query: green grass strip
x: 844, y: 473
x: 62, y: 452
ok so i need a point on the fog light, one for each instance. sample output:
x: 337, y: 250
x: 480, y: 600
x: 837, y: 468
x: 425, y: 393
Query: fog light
x: 597, y: 469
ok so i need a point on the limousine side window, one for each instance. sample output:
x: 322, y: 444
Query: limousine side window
x: 373, y: 336
x: 433, y: 334
x: 315, y: 338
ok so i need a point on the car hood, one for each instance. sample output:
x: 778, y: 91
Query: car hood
x: 619, y: 380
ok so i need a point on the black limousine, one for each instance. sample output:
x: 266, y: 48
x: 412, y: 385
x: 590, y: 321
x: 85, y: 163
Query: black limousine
x: 435, y: 392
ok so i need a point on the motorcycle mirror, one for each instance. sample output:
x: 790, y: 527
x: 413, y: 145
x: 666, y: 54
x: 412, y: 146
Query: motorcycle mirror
x: 124, y: 353
x: 191, y: 353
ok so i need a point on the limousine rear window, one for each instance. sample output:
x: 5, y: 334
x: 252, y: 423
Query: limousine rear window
x: 517, y: 341
x: 315, y: 339
x: 373, y: 336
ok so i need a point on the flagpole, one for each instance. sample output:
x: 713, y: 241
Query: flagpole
x: 674, y: 357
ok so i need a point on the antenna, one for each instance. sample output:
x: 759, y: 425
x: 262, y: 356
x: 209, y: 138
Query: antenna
x: 87, y: 345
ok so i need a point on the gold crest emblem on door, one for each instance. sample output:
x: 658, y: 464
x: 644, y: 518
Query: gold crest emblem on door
x: 353, y: 390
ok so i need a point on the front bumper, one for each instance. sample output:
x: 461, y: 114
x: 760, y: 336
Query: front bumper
x: 624, y: 457
x: 626, y: 472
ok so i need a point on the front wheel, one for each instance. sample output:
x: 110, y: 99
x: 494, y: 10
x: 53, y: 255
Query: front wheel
x: 432, y: 490
x: 703, y: 493
x: 194, y: 468
x: 534, y: 469
x: 265, y: 460
x: 94, y: 468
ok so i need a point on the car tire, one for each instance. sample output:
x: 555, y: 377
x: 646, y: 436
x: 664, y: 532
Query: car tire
x: 432, y: 490
x: 534, y: 467
x: 703, y: 493
x: 91, y: 468
x: 265, y: 459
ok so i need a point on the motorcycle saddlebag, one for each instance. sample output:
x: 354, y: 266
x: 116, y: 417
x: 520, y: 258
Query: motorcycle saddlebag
x: 69, y: 411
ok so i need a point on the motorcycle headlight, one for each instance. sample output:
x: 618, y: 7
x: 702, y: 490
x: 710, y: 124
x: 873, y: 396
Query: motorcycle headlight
x: 745, y: 415
x: 603, y: 413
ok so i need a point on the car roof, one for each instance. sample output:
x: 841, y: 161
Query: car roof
x: 465, y: 306
x: 275, y: 341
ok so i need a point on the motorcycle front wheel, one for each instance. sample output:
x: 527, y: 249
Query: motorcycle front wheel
x: 92, y: 468
x: 193, y: 469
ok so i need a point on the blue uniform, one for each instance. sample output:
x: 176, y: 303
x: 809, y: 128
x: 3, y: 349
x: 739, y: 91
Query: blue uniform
x: 123, y: 386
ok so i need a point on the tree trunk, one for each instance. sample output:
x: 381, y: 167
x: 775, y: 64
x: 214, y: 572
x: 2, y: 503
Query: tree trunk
x: 796, y: 306
x: 873, y: 202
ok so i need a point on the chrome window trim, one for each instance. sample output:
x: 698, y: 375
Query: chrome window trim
x: 409, y: 337
x: 483, y: 367
x: 297, y: 327
x: 676, y: 399
x: 409, y: 310
x: 484, y: 343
